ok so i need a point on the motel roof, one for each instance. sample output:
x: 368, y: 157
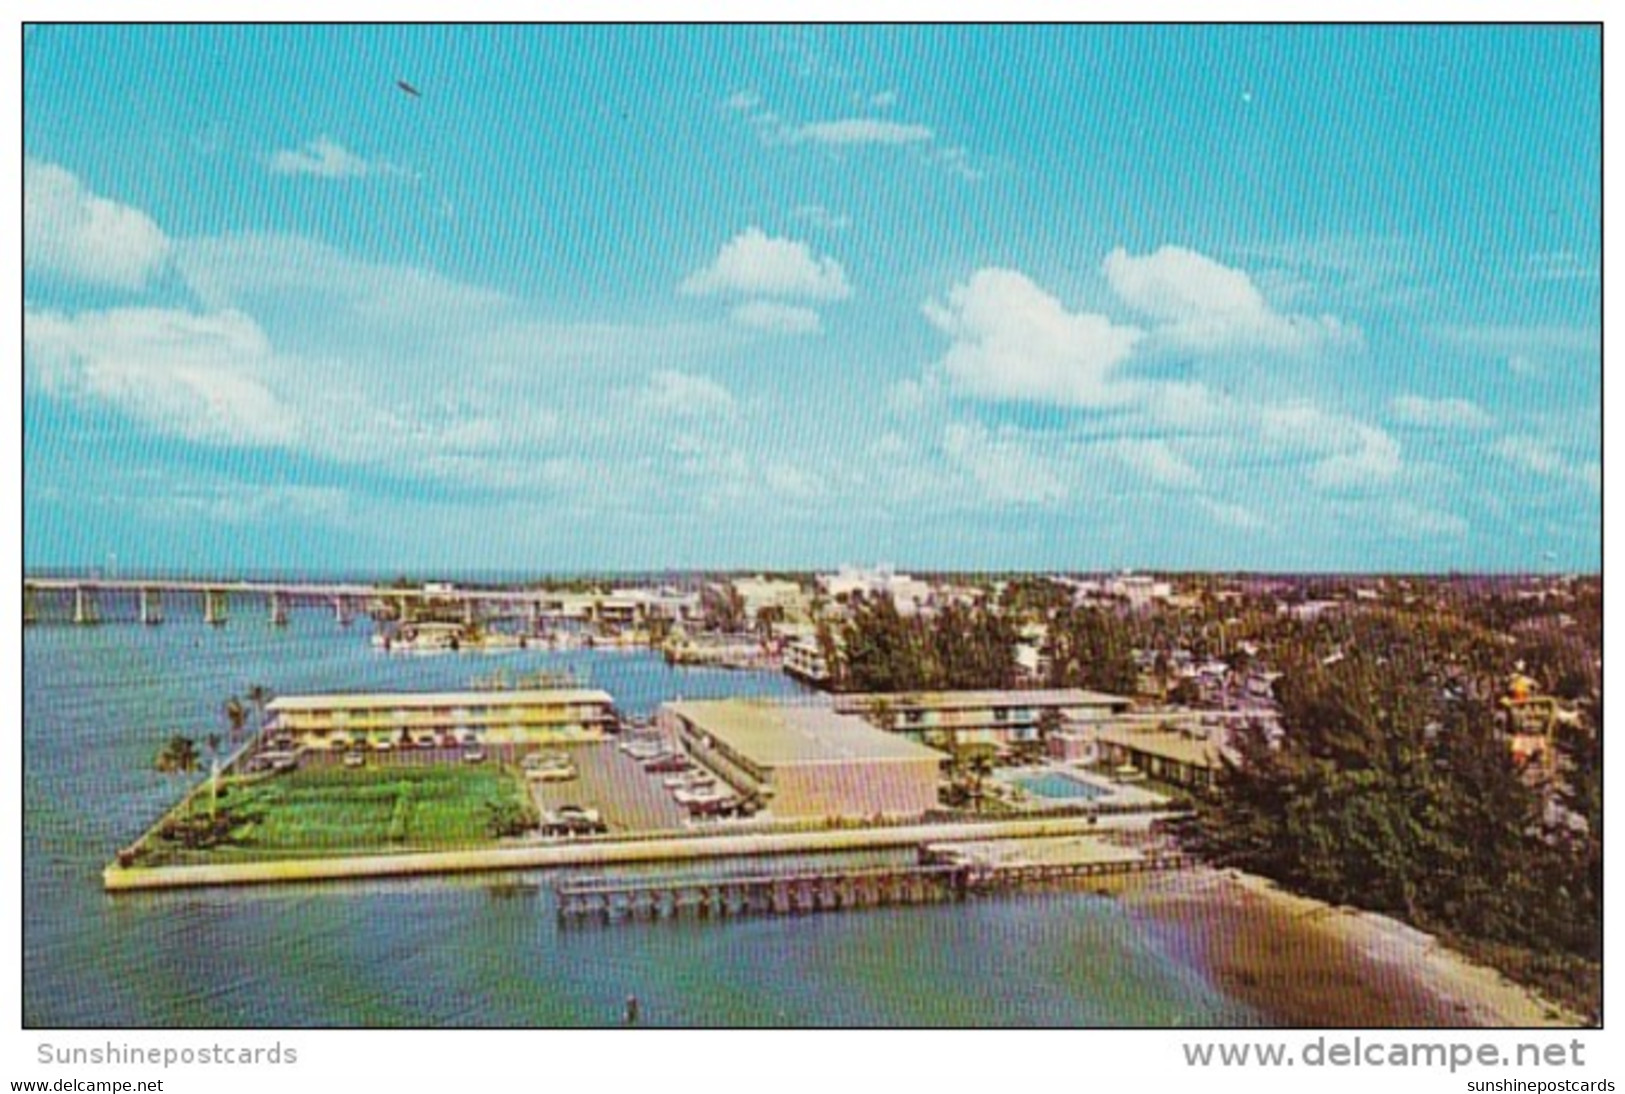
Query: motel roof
x: 783, y: 734
x: 954, y: 700
x: 1168, y: 744
x: 417, y: 700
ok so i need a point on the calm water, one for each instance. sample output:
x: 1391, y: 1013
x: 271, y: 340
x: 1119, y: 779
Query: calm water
x: 98, y: 702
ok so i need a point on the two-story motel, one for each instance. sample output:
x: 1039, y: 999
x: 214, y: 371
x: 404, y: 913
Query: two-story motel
x: 983, y: 717
x: 807, y: 760
x: 505, y: 721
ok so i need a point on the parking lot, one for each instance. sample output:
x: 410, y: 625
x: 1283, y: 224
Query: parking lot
x: 629, y: 798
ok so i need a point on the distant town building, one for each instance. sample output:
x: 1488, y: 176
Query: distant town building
x: 804, y: 657
x: 908, y: 593
x: 756, y: 593
x: 807, y: 760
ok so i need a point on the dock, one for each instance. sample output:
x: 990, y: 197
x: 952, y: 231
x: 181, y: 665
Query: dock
x: 831, y: 890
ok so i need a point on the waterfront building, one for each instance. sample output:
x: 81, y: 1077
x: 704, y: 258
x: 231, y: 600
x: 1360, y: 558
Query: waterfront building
x: 804, y: 657
x: 787, y: 598
x: 909, y: 594
x: 807, y: 760
x: 505, y: 721
x: 1000, y: 718
x: 1186, y: 756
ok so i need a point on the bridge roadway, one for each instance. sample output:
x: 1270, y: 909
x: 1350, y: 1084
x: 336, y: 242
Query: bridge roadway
x: 278, y: 595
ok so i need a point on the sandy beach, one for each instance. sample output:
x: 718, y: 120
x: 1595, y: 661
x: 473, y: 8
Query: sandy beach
x: 1306, y: 963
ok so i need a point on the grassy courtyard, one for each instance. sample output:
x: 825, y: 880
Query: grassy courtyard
x: 334, y: 810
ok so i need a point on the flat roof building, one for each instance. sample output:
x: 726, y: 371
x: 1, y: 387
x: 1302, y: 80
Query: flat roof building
x: 998, y: 717
x: 807, y: 760
x: 504, y: 719
x: 1184, y: 757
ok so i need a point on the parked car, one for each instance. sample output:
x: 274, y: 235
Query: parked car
x: 670, y: 763
x: 551, y: 774
x: 573, y: 820
x: 474, y: 755
x: 355, y: 759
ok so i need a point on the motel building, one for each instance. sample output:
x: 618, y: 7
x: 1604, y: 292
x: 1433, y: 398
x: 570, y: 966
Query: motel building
x: 1188, y: 757
x: 507, y: 723
x: 1000, y: 718
x: 807, y: 761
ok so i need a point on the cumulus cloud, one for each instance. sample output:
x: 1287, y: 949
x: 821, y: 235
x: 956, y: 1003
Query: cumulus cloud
x: 1440, y: 413
x: 1157, y: 461
x: 774, y: 318
x: 195, y: 376
x: 1542, y: 458
x: 1013, y: 341
x: 1204, y: 306
x: 1342, y: 453
x: 1008, y: 471
x: 851, y: 131
x: 756, y: 264
x: 683, y: 395
x: 72, y: 233
x: 325, y: 158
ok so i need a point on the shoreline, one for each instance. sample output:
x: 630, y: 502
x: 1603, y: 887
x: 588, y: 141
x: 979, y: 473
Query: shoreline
x: 1302, y: 962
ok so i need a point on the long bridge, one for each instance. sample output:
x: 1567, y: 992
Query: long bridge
x: 802, y: 892
x: 82, y: 600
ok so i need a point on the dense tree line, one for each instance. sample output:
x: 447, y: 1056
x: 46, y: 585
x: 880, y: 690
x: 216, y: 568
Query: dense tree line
x: 1392, y: 788
x: 880, y: 649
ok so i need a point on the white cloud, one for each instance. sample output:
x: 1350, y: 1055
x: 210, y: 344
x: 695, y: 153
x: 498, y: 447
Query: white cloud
x: 1003, y: 464
x: 883, y: 99
x: 1341, y: 452
x: 1157, y: 461
x: 1542, y: 458
x: 1373, y: 459
x: 1440, y: 413
x: 1207, y: 307
x: 743, y: 100
x: 764, y: 315
x: 325, y: 158
x: 196, y: 376
x: 756, y: 264
x: 1562, y: 266
x: 682, y: 395
x: 1232, y: 515
x: 70, y: 232
x: 1418, y: 522
x: 820, y: 217
x: 850, y: 131
x: 1013, y: 341
x: 239, y: 503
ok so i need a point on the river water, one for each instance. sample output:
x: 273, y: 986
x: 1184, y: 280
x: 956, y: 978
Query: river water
x: 99, y: 701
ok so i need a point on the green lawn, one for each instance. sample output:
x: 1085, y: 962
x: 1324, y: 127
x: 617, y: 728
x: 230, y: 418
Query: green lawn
x: 331, y: 811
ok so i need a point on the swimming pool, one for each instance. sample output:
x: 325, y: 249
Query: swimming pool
x: 1054, y: 784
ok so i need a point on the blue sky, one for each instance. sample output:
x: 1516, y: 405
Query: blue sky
x: 668, y: 297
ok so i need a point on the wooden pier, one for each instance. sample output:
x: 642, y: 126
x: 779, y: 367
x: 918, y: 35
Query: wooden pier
x: 803, y: 892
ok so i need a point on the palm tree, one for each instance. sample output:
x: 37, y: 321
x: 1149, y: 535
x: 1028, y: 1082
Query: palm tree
x: 178, y: 756
x: 213, y: 741
x: 236, y: 716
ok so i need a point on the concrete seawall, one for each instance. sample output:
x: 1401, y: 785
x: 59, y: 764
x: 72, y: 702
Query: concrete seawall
x: 594, y: 853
